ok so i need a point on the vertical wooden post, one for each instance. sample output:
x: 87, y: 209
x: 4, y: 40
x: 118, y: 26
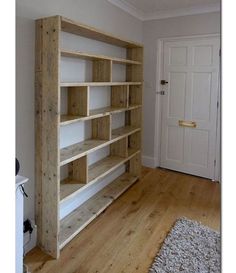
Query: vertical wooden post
x: 78, y: 170
x: 47, y: 98
x: 78, y: 101
x: 102, y: 71
x: 101, y: 128
x: 120, y: 147
x: 119, y: 96
x: 134, y: 117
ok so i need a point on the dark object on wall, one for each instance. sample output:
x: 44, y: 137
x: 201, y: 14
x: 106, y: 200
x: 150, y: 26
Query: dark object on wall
x: 17, y: 166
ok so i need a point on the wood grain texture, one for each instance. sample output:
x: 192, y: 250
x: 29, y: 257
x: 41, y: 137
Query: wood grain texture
x: 78, y: 170
x: 135, y: 95
x: 67, y: 84
x: 134, y: 165
x: 102, y: 71
x: 96, y: 113
x: 71, y: 187
x: 72, y: 224
x: 119, y: 96
x: 87, y: 56
x: 123, y: 131
x: 132, y: 229
x: 105, y: 166
x: 92, y: 33
x: 134, y: 141
x: 120, y: 147
x: 82, y: 148
x: 101, y: 128
x: 47, y: 131
x: 78, y: 101
x: 134, y: 117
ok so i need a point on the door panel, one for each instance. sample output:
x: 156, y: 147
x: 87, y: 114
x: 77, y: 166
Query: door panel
x: 199, y: 143
x: 177, y: 86
x: 178, y: 55
x: 202, y: 55
x: 201, y: 104
x: 175, y: 143
x: 191, y: 67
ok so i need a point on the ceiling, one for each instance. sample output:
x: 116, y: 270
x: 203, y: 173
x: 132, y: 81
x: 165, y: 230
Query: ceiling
x: 157, y: 9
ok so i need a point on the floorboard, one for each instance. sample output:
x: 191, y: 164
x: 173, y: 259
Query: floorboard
x: 127, y: 236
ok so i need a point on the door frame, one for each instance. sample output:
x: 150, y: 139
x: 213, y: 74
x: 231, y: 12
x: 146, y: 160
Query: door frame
x: 158, y: 102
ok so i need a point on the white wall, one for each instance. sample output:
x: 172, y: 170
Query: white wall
x: 100, y: 14
x: 200, y: 24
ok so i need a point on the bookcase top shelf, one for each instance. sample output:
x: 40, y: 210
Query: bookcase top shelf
x: 76, y: 28
x: 88, y: 56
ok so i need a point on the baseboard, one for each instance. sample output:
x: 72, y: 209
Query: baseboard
x: 148, y: 161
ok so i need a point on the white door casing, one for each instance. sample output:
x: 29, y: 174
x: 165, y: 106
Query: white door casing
x: 191, y: 67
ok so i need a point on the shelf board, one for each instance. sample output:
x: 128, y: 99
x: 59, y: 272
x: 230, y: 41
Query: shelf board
x: 97, y: 171
x: 72, y: 224
x: 68, y: 187
x: 72, y: 84
x: 76, y: 28
x: 96, y: 113
x: 86, y: 56
x: 75, y: 151
x: 107, y: 165
x: 123, y: 131
x: 80, y: 149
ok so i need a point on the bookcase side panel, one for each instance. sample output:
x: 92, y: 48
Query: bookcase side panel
x: 47, y: 133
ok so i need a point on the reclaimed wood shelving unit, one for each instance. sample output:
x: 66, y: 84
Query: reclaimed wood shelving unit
x: 124, y: 143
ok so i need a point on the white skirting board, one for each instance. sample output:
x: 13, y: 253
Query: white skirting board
x: 148, y: 161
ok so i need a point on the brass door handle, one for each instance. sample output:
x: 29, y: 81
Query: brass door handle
x: 185, y: 123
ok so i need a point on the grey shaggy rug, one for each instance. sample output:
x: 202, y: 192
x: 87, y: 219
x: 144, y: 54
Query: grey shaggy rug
x: 189, y: 248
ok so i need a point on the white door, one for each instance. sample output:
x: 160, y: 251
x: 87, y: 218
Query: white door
x: 189, y: 106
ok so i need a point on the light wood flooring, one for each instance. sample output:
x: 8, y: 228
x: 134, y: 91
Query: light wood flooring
x: 127, y: 236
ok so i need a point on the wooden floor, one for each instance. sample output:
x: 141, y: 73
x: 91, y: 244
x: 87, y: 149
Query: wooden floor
x: 127, y: 236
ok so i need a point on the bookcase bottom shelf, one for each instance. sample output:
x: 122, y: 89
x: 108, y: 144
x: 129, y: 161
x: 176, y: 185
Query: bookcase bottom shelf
x: 73, y: 223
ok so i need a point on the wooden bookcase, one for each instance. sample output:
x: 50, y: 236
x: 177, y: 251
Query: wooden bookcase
x: 124, y: 143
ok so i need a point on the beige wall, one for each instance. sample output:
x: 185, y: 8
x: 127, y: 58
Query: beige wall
x: 200, y: 24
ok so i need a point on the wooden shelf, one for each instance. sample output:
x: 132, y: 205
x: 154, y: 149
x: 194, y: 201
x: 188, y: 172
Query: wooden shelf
x: 86, y: 56
x: 123, y: 131
x: 73, y: 27
x: 72, y: 224
x: 68, y: 119
x: 68, y: 187
x: 72, y: 84
x: 97, y: 171
x: 80, y: 149
x: 107, y: 165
